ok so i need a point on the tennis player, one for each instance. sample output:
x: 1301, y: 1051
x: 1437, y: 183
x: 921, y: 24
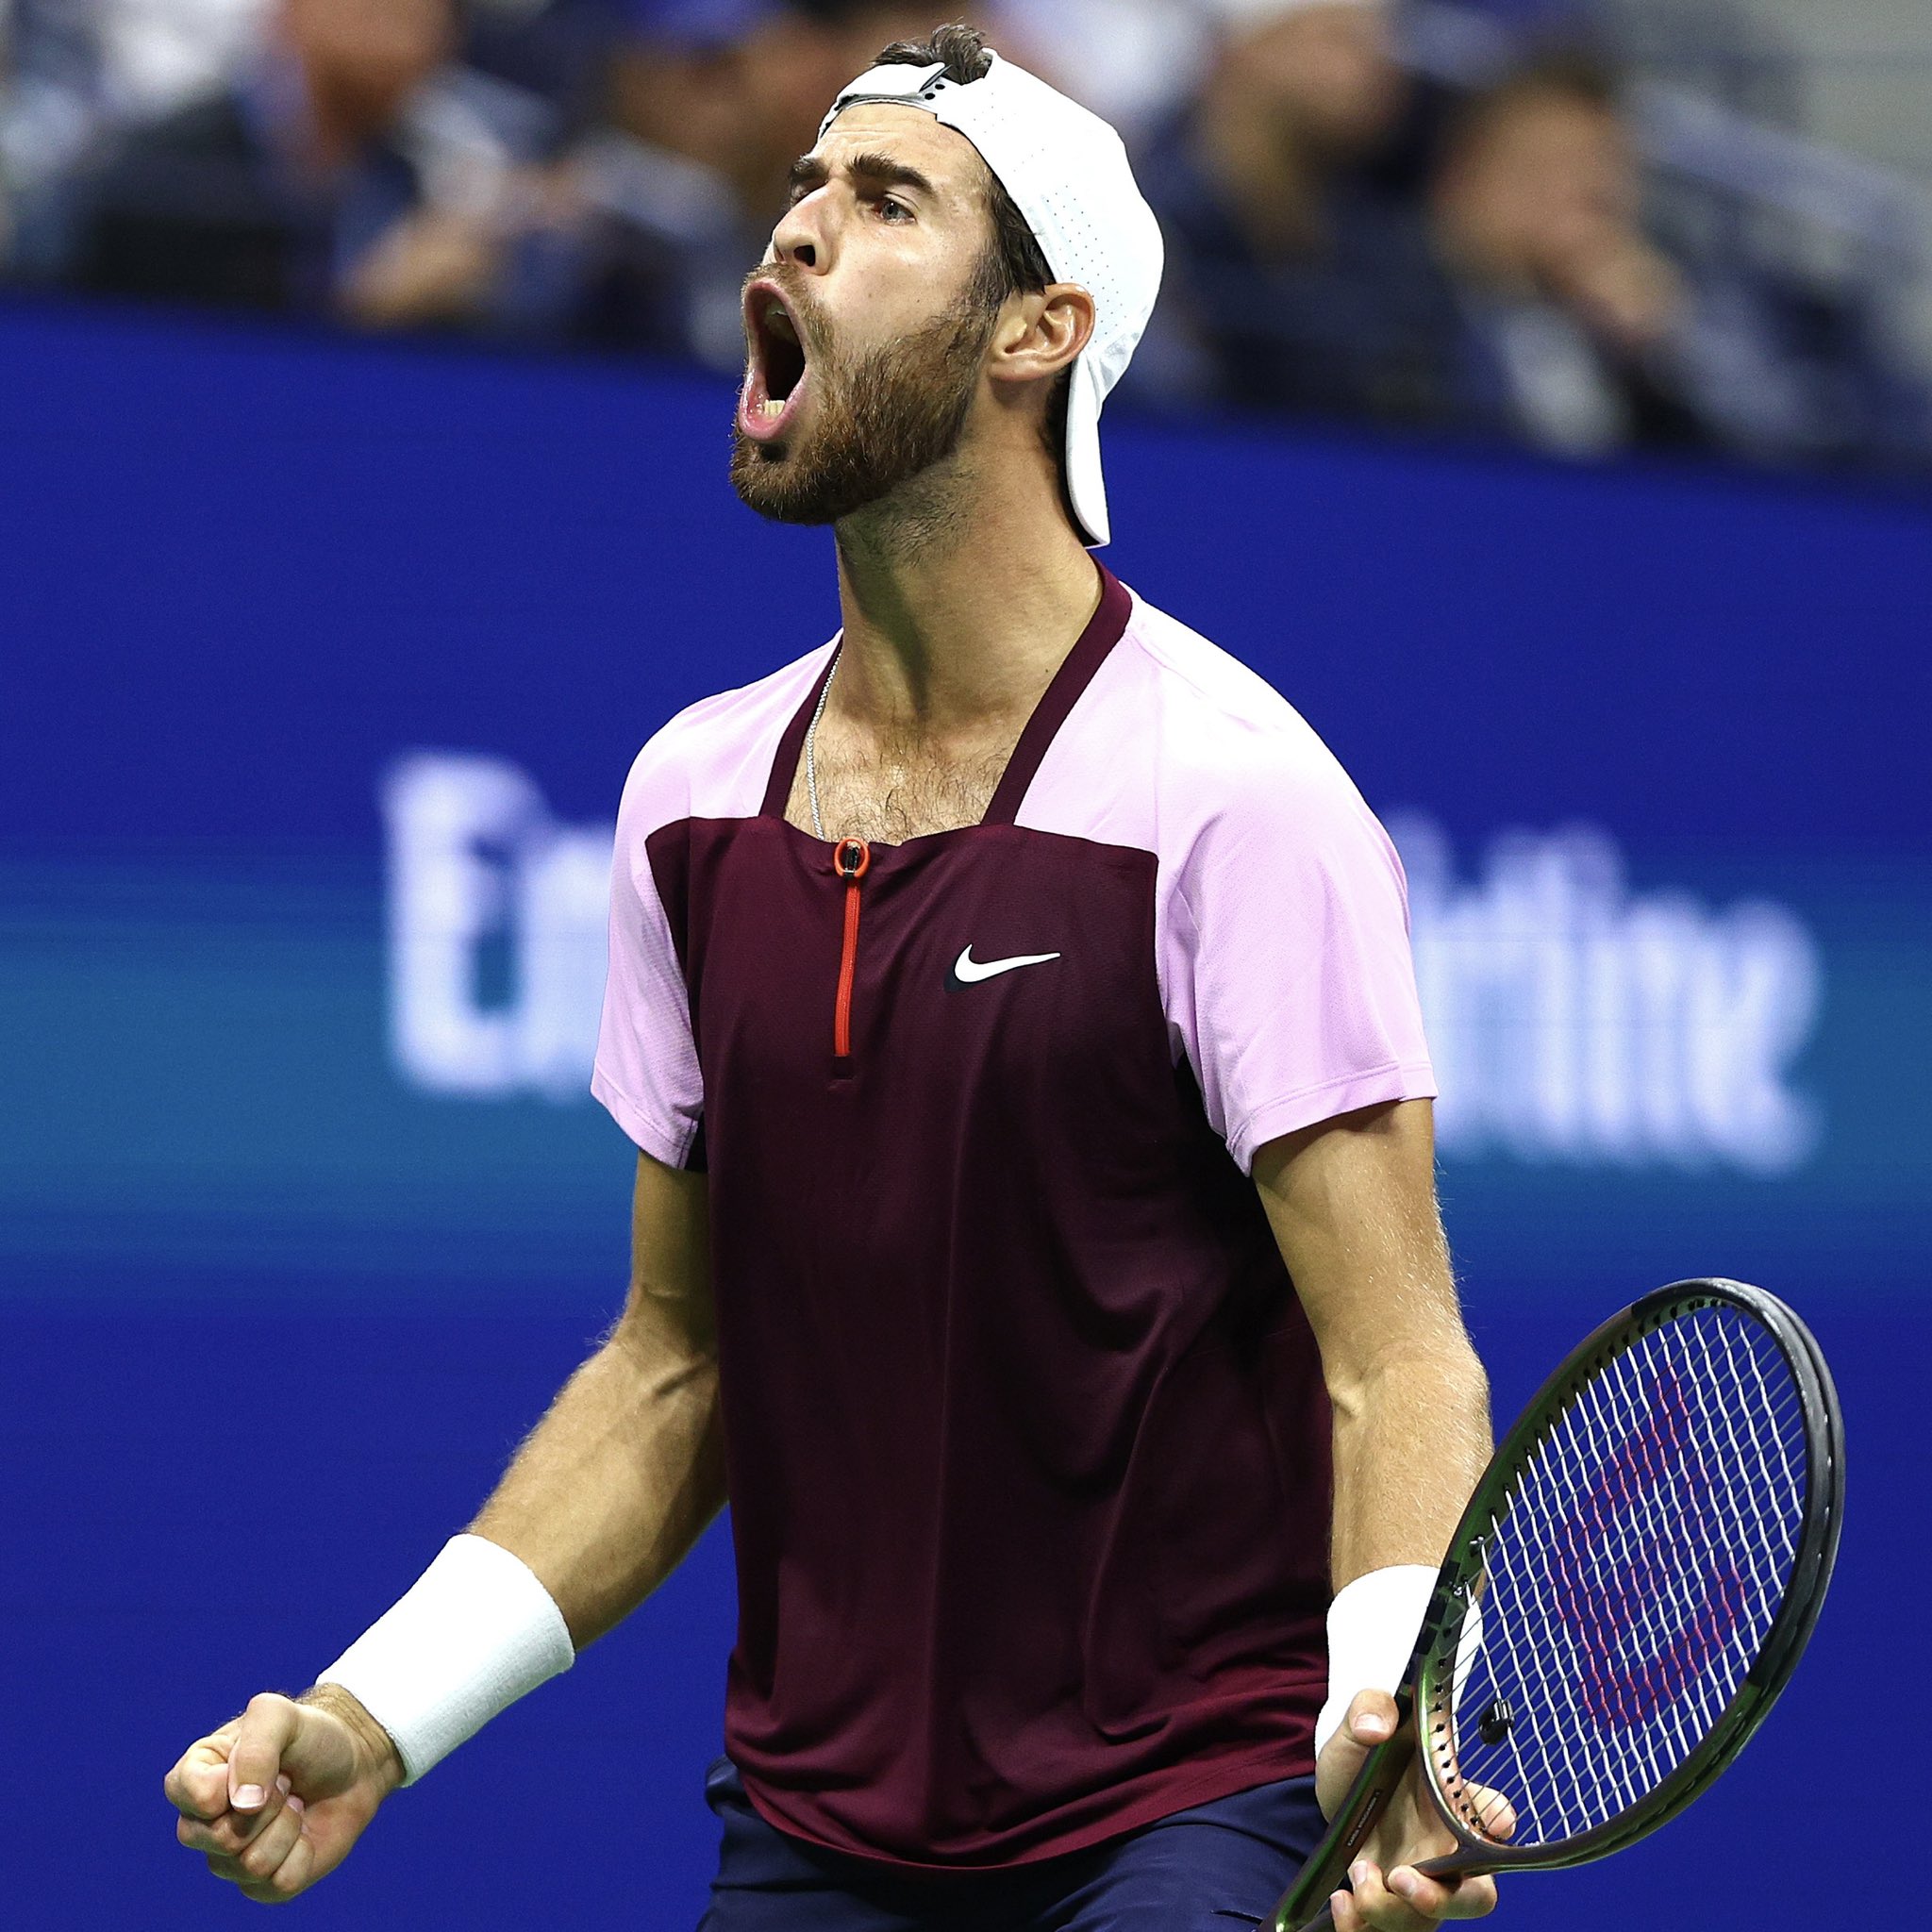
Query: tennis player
x: 1035, y: 1230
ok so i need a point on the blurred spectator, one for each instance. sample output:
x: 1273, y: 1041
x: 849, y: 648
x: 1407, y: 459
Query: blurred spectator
x: 78, y: 66
x: 551, y: 48
x: 1572, y: 330
x: 1789, y: 372
x: 648, y: 226
x: 641, y: 240
x: 352, y: 167
x: 1515, y: 295
x: 1568, y: 314
x: 1132, y: 61
x: 1362, y: 219
x: 1299, y: 276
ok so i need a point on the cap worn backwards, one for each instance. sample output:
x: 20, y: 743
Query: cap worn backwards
x: 1068, y: 173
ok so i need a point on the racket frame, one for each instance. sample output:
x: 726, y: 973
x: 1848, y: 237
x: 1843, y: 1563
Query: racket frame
x: 1784, y: 1643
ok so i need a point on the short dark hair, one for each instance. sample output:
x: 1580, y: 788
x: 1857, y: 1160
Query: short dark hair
x: 1015, y: 264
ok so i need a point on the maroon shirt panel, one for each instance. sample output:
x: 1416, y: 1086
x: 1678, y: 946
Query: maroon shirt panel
x: 1026, y: 1436
x: 1105, y: 629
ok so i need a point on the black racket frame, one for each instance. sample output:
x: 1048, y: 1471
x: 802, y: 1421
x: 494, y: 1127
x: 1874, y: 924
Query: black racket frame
x: 1305, y: 1906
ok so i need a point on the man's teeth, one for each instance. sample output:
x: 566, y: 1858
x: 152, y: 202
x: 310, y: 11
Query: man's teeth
x: 771, y: 406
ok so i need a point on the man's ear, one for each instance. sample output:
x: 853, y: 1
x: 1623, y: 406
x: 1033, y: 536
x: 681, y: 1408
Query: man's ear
x: 1039, y: 335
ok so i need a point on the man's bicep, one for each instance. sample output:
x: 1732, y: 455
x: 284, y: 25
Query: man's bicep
x: 1352, y: 1201
x: 671, y: 1259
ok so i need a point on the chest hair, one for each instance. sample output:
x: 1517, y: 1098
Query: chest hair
x: 897, y: 788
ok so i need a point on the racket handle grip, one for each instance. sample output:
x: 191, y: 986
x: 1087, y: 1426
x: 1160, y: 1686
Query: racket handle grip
x: 1328, y: 1869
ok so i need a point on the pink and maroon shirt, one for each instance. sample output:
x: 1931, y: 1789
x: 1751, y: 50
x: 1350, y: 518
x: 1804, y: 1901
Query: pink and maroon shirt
x: 1027, y: 1435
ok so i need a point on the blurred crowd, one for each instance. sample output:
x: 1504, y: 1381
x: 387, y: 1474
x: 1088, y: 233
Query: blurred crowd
x: 1350, y: 235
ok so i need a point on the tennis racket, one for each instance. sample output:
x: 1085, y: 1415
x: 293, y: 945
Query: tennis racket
x: 1629, y: 1589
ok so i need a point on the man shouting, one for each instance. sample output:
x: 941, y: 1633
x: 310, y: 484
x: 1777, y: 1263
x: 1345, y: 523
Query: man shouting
x: 1035, y: 1233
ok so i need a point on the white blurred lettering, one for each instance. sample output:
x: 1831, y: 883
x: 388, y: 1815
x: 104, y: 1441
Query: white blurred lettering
x: 1573, y: 1021
x: 481, y: 875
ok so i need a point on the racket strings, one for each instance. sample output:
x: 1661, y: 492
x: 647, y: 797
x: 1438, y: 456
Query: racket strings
x: 1629, y: 1582
x: 1647, y: 1614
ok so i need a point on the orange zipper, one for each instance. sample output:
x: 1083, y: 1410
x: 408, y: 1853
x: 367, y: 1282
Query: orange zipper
x: 851, y: 857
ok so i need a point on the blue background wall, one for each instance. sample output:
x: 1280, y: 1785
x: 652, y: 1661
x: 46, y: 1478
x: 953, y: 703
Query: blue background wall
x: 294, y: 1244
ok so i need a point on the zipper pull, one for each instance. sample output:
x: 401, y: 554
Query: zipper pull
x: 851, y: 859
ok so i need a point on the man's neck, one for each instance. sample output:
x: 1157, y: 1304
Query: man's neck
x: 958, y: 611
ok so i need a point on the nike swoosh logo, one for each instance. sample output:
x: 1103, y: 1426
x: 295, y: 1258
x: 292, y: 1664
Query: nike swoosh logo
x: 967, y: 971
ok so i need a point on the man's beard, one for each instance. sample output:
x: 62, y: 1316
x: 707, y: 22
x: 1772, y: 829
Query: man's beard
x: 881, y: 419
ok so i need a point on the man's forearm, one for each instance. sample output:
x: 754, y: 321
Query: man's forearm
x: 618, y: 1481
x: 1412, y: 1439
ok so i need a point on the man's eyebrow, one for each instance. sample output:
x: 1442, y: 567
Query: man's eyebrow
x: 889, y: 172
x: 878, y: 170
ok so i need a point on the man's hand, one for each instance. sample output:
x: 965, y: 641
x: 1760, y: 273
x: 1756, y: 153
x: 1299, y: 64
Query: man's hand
x: 1387, y: 1893
x: 276, y: 1797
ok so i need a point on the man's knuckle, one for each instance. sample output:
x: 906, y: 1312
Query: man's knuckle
x: 259, y: 1862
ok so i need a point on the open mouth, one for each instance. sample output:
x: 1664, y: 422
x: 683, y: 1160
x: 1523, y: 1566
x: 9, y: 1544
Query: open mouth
x: 779, y: 366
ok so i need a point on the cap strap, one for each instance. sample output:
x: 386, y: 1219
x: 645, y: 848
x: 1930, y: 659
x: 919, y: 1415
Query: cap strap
x: 895, y: 82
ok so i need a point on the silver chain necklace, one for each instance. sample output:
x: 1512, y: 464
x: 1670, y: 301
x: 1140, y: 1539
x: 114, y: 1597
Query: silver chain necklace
x: 811, y: 763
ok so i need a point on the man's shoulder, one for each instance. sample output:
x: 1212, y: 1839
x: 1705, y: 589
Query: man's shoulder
x: 713, y: 759
x: 1251, y: 806
x: 1220, y: 722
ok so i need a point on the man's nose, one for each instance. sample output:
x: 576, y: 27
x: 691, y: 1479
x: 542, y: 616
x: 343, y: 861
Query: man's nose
x: 802, y: 235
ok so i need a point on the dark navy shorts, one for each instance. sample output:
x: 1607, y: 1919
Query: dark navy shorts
x: 1214, y: 1868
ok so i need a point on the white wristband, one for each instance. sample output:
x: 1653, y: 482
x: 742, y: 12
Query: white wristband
x: 472, y: 1634
x: 1372, y: 1625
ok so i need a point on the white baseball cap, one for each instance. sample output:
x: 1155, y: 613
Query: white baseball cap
x: 1068, y: 173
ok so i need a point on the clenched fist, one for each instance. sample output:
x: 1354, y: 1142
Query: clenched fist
x: 276, y: 1797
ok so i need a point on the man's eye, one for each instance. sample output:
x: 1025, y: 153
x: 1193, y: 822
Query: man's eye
x: 893, y: 210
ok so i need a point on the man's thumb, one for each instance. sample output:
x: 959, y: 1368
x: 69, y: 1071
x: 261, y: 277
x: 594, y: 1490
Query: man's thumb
x: 263, y: 1737
x: 1369, y: 1721
x: 1370, y: 1718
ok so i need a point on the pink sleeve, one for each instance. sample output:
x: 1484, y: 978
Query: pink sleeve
x: 1287, y: 958
x: 647, y: 1065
